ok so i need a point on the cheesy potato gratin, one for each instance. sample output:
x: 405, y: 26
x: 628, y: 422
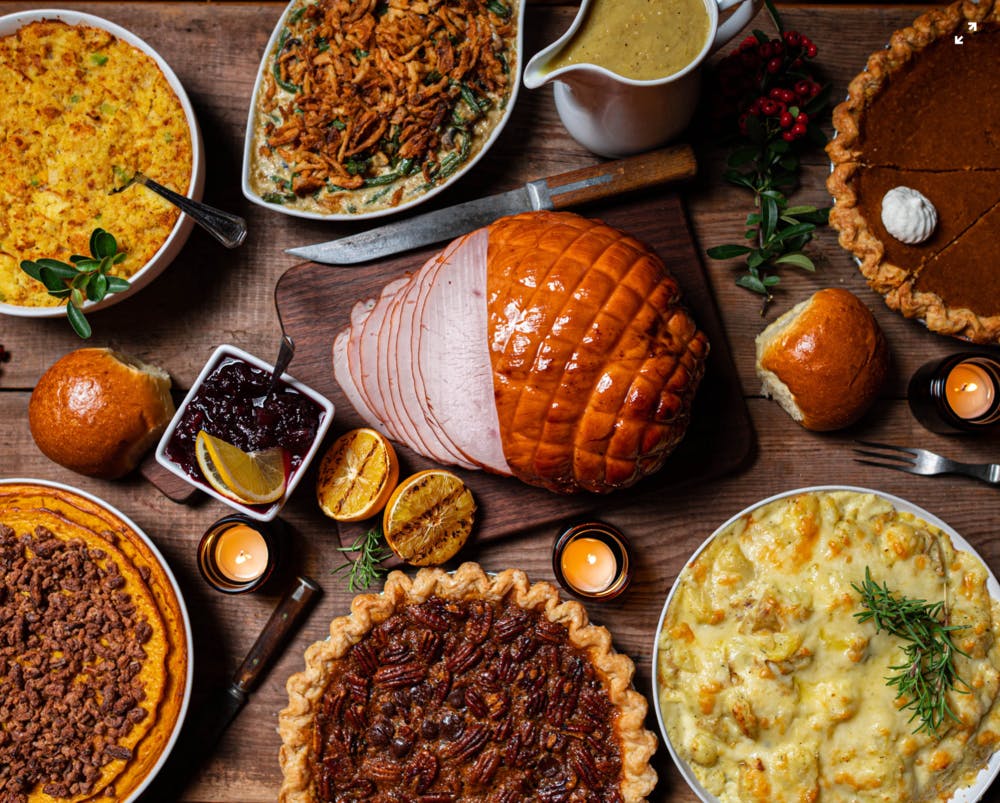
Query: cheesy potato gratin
x: 772, y: 690
x: 76, y: 102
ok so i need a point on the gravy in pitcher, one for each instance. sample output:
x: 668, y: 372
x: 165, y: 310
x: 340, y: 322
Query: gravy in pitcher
x: 638, y: 39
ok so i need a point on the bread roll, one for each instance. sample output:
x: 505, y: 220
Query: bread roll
x: 824, y: 360
x: 97, y: 411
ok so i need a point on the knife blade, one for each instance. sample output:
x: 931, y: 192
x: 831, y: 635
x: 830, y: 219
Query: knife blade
x: 556, y: 192
x: 204, y: 730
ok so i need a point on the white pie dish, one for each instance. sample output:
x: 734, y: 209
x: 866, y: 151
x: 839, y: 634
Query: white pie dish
x: 188, y: 678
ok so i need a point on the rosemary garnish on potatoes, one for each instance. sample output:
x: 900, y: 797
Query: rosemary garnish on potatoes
x: 924, y: 679
x: 366, y: 568
x: 85, y: 279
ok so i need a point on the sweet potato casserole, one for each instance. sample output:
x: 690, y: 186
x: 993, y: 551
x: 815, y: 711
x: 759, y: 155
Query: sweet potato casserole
x: 77, y: 102
x: 93, y: 653
x: 366, y: 105
x: 772, y: 689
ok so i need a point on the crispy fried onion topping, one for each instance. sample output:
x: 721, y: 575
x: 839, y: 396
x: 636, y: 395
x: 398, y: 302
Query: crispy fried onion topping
x: 366, y: 92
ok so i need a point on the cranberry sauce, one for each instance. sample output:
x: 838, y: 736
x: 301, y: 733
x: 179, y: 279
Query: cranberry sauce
x: 231, y: 405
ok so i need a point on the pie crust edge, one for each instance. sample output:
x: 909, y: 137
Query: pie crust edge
x: 846, y: 156
x: 468, y: 582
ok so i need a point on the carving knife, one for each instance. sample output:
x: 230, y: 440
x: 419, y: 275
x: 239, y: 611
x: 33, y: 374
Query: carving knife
x: 210, y: 721
x: 556, y: 192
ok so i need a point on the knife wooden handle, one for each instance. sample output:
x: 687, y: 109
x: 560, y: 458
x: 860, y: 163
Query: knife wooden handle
x: 633, y: 173
x: 277, y: 630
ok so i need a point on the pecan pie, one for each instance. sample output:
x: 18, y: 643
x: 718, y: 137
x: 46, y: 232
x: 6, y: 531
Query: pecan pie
x: 925, y: 114
x: 465, y: 687
x: 93, y: 650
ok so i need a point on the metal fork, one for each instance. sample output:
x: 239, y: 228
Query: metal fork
x: 920, y: 461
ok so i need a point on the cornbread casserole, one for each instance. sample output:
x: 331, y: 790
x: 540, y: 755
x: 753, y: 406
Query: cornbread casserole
x: 772, y: 690
x: 366, y: 104
x: 93, y: 650
x: 78, y: 101
x: 464, y: 686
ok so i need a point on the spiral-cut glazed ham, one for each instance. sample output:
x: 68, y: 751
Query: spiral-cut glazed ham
x: 546, y: 346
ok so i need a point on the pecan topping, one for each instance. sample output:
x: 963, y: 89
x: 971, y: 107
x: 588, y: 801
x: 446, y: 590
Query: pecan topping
x: 474, y: 701
x: 70, y: 656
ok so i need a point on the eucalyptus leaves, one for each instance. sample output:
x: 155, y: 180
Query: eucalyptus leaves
x: 767, y: 87
x: 86, y: 279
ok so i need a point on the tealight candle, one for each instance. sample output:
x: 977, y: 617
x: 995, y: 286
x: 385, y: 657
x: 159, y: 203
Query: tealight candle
x: 969, y: 390
x: 241, y: 553
x: 592, y: 560
x: 588, y: 565
x: 960, y: 393
x: 237, y: 554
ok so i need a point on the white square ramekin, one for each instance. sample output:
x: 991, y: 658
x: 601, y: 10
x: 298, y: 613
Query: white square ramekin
x: 326, y: 417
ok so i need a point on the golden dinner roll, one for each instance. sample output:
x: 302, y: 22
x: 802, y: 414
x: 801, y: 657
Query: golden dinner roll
x: 824, y: 360
x: 97, y: 411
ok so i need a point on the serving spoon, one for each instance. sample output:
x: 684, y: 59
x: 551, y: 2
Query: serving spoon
x: 285, y: 353
x: 227, y: 228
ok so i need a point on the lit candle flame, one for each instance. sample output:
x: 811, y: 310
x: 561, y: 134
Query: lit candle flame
x: 243, y: 556
x: 968, y: 387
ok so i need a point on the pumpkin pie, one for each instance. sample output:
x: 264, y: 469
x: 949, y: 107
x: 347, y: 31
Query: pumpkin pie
x: 93, y: 650
x: 469, y: 687
x: 925, y: 114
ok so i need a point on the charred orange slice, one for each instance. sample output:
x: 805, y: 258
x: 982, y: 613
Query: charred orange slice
x: 357, y: 475
x: 429, y: 517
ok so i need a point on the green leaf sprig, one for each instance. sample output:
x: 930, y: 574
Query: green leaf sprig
x: 928, y: 672
x: 768, y: 87
x: 365, y: 568
x: 86, y: 279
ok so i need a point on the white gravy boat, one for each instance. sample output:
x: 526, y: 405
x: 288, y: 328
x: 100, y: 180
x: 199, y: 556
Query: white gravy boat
x: 615, y: 116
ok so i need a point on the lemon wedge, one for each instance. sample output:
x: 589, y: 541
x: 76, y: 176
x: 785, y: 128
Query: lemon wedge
x: 253, y: 478
x: 429, y: 517
x: 356, y: 475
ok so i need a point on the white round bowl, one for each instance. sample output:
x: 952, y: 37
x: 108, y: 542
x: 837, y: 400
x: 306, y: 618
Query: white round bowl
x: 171, y: 247
x: 969, y: 794
x: 188, y: 637
x: 251, y: 142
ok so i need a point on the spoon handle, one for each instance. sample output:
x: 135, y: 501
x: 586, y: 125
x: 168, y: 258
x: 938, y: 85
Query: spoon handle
x: 285, y: 354
x: 228, y: 229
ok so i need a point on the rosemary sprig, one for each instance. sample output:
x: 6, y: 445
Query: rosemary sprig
x: 86, y: 279
x: 366, y: 567
x: 928, y: 673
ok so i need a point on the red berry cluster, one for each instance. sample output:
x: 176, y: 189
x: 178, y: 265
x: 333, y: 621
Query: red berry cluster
x: 769, y: 79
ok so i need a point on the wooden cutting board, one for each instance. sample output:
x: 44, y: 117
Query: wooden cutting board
x: 315, y: 301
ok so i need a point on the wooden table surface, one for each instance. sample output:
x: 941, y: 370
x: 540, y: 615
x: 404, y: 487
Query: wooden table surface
x: 210, y: 296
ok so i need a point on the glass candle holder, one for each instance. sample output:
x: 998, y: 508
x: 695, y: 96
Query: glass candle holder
x: 592, y: 560
x: 237, y: 554
x: 960, y: 393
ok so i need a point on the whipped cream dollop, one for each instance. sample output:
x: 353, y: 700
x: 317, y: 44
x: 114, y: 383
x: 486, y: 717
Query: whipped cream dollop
x: 907, y: 215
